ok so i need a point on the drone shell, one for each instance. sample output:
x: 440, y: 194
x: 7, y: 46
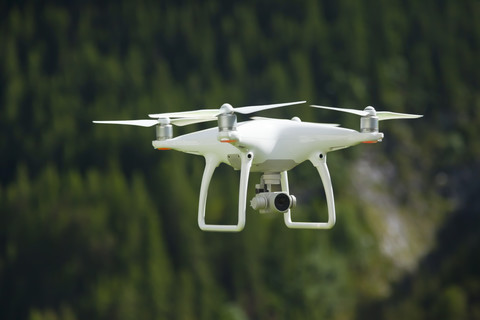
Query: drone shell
x: 278, y: 144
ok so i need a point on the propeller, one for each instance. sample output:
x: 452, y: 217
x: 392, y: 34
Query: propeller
x: 184, y: 118
x: 151, y: 122
x: 297, y: 119
x: 211, y: 114
x: 370, y: 111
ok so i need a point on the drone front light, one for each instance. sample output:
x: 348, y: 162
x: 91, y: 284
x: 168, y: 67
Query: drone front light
x: 228, y: 136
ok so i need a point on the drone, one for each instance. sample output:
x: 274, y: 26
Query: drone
x: 266, y: 145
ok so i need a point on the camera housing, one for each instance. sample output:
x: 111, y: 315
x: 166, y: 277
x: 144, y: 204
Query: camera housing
x: 273, y: 202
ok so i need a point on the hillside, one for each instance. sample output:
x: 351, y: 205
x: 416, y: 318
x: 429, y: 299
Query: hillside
x: 96, y: 224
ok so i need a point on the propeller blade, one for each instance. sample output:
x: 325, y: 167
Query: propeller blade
x: 186, y: 121
x: 208, y: 114
x: 386, y: 115
x: 196, y: 114
x: 265, y: 118
x: 151, y: 122
x: 382, y: 115
x: 354, y: 111
x: 252, y: 109
x: 140, y: 123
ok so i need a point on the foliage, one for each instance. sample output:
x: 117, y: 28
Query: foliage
x: 94, y: 224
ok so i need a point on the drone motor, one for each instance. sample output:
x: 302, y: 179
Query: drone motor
x: 369, y: 122
x: 227, y: 125
x: 164, y: 129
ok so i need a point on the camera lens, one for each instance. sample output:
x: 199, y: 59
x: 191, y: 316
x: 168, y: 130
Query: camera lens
x: 282, y: 202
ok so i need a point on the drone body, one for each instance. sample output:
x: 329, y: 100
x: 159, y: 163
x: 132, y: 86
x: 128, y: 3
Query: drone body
x: 277, y: 144
x: 271, y: 146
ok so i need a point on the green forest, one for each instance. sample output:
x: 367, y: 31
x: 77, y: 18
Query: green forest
x: 96, y: 224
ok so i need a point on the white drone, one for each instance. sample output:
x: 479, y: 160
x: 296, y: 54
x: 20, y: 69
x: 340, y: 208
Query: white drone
x: 270, y: 146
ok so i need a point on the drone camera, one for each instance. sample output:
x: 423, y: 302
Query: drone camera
x: 268, y: 202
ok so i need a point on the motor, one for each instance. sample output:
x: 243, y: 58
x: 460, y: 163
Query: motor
x: 227, y: 125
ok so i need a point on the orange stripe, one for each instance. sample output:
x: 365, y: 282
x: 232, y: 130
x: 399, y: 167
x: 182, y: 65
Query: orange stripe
x: 228, y: 141
x: 374, y: 141
x: 164, y: 149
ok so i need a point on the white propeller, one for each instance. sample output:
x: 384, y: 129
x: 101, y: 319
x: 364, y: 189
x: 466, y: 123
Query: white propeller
x: 184, y: 118
x: 151, y: 122
x: 382, y: 115
x: 211, y: 114
x: 140, y: 123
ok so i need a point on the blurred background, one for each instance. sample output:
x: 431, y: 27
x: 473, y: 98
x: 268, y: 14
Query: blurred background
x: 96, y: 224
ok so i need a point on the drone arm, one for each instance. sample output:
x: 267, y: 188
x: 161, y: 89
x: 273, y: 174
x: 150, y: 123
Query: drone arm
x: 319, y: 160
x: 211, y: 163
